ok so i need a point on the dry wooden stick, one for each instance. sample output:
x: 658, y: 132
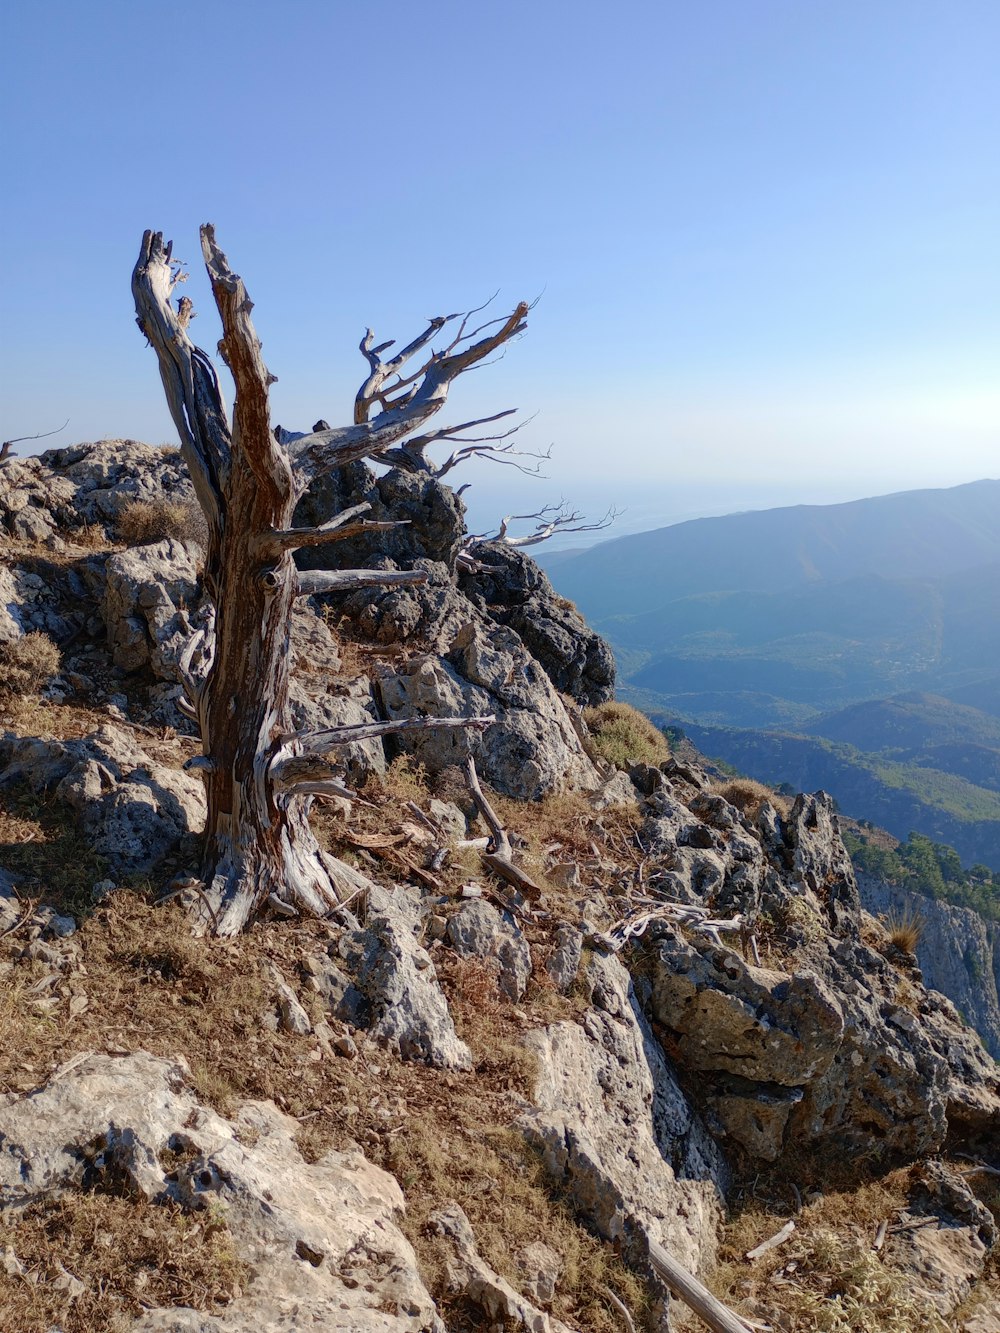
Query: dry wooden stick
x: 499, y: 854
x: 777, y: 1239
x: 718, y: 1317
x: 620, y: 1306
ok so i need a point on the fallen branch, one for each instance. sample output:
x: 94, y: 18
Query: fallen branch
x: 697, y: 1297
x: 777, y: 1239
x: 499, y: 855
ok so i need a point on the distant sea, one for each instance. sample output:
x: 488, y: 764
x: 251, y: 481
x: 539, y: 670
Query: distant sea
x: 643, y: 505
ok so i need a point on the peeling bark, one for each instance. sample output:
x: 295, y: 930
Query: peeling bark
x: 248, y: 478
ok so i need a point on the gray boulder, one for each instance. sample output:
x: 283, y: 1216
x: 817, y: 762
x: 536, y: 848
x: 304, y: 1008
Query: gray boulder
x: 394, y: 974
x: 478, y: 930
x: 512, y: 590
x: 617, y: 1133
x: 133, y: 810
x: 64, y: 489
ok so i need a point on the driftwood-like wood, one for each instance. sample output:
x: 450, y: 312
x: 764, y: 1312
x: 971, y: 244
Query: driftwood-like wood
x: 772, y: 1242
x: 248, y: 479
x: 693, y: 1293
x: 499, y: 855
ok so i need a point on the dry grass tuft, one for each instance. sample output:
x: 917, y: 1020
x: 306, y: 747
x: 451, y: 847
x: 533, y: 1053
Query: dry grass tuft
x: 904, y: 929
x: 624, y: 736
x: 146, y: 521
x: 26, y: 664
x: 127, y: 1254
x: 750, y: 796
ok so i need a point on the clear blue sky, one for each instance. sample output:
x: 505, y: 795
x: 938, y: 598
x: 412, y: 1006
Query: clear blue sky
x: 765, y: 232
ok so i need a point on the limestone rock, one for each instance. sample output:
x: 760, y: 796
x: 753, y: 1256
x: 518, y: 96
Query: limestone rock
x: 478, y: 930
x: 395, y: 975
x: 958, y: 952
x: 148, y: 595
x: 515, y: 592
x: 616, y: 1132
x: 86, y: 483
x: 132, y: 809
x: 942, y: 1262
x: 470, y: 1274
x: 106, y: 1123
x: 530, y: 750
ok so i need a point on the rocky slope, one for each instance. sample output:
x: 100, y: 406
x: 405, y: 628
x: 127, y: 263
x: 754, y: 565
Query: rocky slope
x: 957, y: 951
x: 453, y: 1106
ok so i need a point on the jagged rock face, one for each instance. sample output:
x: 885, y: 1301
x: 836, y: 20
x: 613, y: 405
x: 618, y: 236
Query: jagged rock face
x: 513, y: 591
x: 87, y: 483
x: 618, y: 1135
x: 106, y: 1123
x: 478, y: 930
x: 132, y: 809
x: 958, y: 953
x: 531, y: 749
x: 835, y: 1048
x: 149, y: 592
x: 469, y: 1273
x: 434, y: 518
x: 942, y: 1260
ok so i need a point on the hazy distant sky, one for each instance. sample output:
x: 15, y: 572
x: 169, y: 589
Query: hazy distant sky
x: 765, y: 233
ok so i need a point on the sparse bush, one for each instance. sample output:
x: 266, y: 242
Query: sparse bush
x: 624, y: 736
x: 146, y: 521
x: 749, y: 796
x: 26, y: 664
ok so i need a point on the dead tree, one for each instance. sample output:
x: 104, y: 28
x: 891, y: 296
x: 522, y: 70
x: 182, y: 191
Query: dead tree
x: 260, y: 775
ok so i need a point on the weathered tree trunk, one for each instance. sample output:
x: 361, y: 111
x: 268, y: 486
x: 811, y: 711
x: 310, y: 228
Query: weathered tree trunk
x: 260, y: 776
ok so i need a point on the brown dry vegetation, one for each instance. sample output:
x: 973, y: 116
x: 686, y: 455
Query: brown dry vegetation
x: 749, y: 796
x: 904, y: 929
x: 26, y: 664
x: 827, y: 1278
x: 624, y: 736
x: 141, y: 981
x: 80, y: 1276
x: 147, y: 521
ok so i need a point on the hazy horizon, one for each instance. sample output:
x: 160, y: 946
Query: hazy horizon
x: 763, y: 236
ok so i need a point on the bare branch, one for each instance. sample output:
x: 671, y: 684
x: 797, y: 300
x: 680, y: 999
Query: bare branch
x: 315, y: 581
x: 338, y: 528
x: 320, y: 452
x: 7, y: 445
x: 318, y: 742
x: 499, y: 855
x: 548, y: 520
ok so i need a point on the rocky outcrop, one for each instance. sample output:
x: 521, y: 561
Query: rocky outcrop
x: 45, y: 494
x: 827, y: 1045
x: 512, y: 590
x: 321, y: 1240
x: 618, y: 1135
x: 133, y: 810
x: 958, y: 952
x: 531, y: 749
x: 401, y: 1001
x: 482, y: 1286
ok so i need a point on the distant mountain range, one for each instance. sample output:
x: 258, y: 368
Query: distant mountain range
x: 770, y: 618
x: 854, y: 647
